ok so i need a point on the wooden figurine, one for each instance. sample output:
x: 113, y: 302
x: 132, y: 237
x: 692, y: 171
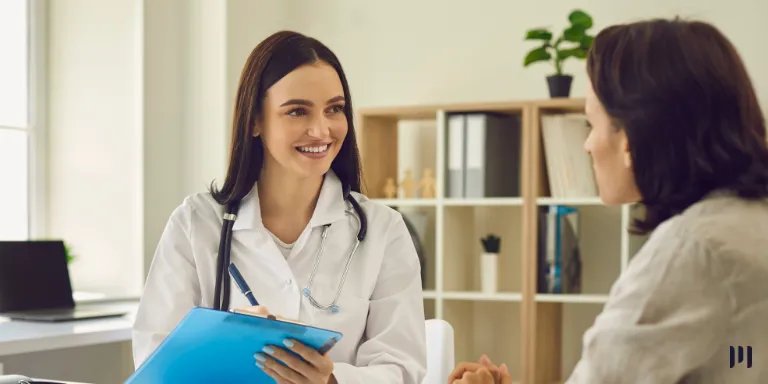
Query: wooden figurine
x: 408, y: 184
x: 427, y: 184
x: 390, y: 189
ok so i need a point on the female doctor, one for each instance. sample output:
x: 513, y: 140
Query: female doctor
x: 294, y: 173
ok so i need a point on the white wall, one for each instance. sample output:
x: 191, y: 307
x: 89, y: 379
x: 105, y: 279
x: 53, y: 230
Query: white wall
x: 163, y: 118
x: 203, y: 91
x: 248, y: 23
x: 95, y: 140
x: 402, y: 52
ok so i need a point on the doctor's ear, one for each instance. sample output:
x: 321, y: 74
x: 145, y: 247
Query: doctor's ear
x: 256, y: 130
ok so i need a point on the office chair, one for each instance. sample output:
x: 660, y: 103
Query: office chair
x: 440, y: 351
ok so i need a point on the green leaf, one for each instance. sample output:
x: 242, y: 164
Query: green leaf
x: 580, y: 18
x: 586, y: 41
x: 68, y: 252
x: 536, y: 55
x: 578, y: 52
x: 539, y: 34
x: 574, y: 34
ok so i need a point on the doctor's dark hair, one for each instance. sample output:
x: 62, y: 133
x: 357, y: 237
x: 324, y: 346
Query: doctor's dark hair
x: 681, y: 93
x: 271, y: 60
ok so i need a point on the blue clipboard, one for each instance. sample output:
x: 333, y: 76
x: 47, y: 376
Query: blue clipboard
x: 211, y: 346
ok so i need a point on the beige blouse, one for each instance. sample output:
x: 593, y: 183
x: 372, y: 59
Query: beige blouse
x: 698, y: 287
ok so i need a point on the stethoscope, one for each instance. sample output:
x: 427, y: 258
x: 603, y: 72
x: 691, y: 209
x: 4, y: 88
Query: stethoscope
x: 222, y: 289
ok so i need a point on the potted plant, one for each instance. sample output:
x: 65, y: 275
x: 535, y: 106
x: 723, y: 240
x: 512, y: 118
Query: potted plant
x: 68, y: 252
x: 574, y: 42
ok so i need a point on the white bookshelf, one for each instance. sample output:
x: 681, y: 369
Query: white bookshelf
x: 537, y: 335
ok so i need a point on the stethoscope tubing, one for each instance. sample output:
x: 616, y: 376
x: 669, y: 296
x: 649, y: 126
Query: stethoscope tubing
x: 221, y: 293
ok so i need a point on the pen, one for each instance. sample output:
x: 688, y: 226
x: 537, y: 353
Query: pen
x: 242, y: 284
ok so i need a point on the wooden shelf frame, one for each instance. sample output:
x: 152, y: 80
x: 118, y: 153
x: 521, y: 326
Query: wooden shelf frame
x: 535, y: 320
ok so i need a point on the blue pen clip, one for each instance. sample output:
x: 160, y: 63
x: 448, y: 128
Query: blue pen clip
x: 235, y: 273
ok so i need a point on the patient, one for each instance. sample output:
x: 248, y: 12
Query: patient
x: 676, y: 127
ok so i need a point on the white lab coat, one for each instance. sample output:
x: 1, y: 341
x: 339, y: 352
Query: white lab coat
x: 381, y: 306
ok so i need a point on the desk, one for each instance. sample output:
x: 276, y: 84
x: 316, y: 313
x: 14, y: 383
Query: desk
x: 66, y: 349
x: 17, y: 337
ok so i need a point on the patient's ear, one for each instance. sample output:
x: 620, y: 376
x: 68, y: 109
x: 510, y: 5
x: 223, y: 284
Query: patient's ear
x: 625, y: 147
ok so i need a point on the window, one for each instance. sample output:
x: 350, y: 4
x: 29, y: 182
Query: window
x: 16, y: 123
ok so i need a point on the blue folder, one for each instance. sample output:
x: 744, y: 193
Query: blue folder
x: 211, y: 346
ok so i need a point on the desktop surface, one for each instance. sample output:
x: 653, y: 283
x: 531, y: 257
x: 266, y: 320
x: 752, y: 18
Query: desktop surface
x: 18, y: 337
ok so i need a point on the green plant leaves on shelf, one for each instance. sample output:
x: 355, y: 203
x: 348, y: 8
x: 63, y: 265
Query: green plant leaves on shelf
x: 581, y: 19
x: 574, y: 34
x: 586, y: 41
x: 536, y: 55
x: 577, y: 52
x: 539, y: 34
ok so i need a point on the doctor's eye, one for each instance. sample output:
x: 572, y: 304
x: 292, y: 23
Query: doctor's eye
x: 296, y: 112
x: 334, y: 109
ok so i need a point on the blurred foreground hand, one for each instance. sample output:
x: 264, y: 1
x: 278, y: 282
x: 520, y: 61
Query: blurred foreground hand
x: 482, y: 372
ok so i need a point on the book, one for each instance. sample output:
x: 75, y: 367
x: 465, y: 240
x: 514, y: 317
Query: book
x: 483, y: 154
x: 559, y: 255
x: 568, y: 165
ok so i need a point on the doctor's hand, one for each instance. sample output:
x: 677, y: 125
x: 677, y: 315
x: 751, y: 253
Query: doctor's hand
x: 285, y: 366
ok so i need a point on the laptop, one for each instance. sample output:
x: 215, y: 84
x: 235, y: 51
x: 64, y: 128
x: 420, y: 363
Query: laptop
x: 35, y: 285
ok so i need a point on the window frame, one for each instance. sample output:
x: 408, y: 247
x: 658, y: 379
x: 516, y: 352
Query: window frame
x: 36, y: 130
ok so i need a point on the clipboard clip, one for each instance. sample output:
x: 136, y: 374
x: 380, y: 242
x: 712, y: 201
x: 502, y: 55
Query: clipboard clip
x: 328, y: 345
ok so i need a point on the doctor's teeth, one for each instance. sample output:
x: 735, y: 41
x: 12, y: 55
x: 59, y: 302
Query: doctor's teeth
x: 321, y: 148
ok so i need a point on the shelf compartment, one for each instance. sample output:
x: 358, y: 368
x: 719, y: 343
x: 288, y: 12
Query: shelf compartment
x: 490, y: 328
x: 599, y: 239
x: 463, y: 227
x: 482, y: 154
x: 422, y: 222
x: 391, y: 146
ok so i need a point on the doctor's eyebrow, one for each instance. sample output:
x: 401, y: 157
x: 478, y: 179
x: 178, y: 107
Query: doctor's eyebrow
x: 309, y: 103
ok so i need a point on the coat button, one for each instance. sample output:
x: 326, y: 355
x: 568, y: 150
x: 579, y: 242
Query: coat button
x: 288, y: 282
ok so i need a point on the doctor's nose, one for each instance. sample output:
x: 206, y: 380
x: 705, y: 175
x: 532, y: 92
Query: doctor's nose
x: 320, y: 128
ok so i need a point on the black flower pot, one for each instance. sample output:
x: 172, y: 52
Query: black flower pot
x: 559, y: 85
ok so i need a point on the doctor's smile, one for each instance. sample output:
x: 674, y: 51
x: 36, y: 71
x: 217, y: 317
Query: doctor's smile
x: 289, y: 237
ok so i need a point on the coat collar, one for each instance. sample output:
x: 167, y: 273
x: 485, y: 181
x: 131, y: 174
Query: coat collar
x: 330, y: 206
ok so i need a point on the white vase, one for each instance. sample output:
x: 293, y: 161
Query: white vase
x: 489, y: 272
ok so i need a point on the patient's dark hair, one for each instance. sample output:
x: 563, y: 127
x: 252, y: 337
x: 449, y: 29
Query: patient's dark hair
x: 682, y: 94
x: 272, y: 59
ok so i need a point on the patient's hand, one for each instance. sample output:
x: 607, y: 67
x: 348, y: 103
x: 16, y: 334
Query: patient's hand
x: 482, y: 372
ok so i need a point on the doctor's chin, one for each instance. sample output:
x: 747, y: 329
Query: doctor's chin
x: 312, y: 193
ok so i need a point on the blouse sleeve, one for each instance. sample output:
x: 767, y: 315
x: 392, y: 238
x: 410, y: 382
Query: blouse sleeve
x: 665, y: 317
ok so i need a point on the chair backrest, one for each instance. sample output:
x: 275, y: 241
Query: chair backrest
x: 440, y: 351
